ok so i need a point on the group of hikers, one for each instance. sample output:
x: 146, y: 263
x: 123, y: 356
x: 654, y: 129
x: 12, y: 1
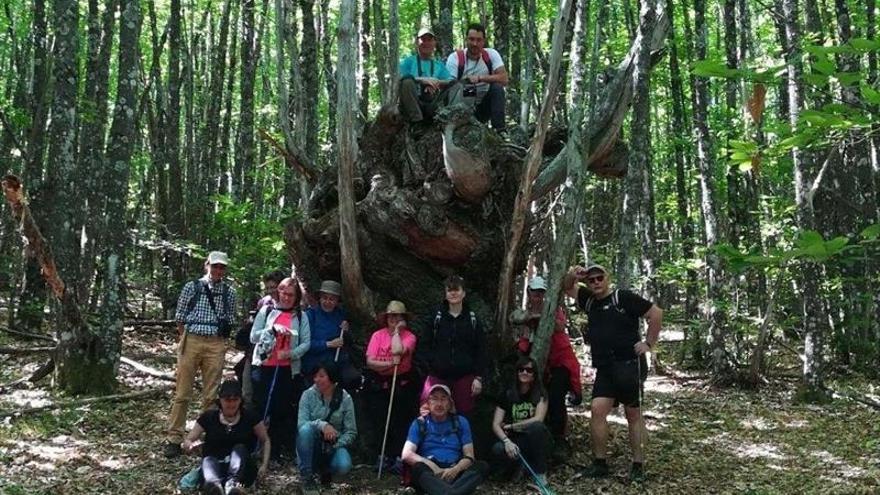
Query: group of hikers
x: 474, y: 76
x: 294, y: 397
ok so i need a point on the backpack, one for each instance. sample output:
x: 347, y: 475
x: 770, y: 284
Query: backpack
x: 439, y: 316
x: 422, y: 422
x: 615, y: 300
x: 461, y: 61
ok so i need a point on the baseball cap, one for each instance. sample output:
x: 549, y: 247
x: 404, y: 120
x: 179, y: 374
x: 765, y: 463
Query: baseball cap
x: 596, y: 267
x: 424, y: 31
x: 230, y: 388
x: 537, y: 283
x: 218, y: 258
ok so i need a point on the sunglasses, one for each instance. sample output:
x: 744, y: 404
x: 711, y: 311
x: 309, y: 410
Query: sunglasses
x: 597, y: 278
x: 530, y: 370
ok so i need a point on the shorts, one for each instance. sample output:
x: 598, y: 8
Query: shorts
x: 622, y: 381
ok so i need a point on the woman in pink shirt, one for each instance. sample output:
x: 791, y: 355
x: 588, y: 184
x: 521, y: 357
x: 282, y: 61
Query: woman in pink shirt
x: 391, y: 349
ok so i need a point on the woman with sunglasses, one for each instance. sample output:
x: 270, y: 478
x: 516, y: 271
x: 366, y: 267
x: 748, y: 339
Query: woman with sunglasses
x: 519, y: 423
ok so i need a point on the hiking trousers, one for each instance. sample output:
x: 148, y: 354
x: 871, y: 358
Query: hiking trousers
x: 195, y: 353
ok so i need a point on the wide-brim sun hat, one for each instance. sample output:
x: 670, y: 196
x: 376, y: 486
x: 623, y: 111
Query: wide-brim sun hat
x: 331, y: 287
x: 393, y: 308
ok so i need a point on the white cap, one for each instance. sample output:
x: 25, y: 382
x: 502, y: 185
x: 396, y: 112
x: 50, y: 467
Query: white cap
x: 218, y: 258
x: 537, y: 283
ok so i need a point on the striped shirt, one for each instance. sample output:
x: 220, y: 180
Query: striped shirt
x: 201, y: 320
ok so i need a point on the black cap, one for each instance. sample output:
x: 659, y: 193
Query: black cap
x: 230, y: 388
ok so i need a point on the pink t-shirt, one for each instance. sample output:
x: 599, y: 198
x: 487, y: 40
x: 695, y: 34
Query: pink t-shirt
x: 282, y: 341
x: 379, y: 349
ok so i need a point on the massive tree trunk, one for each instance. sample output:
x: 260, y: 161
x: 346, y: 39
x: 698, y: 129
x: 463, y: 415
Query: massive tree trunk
x: 417, y: 218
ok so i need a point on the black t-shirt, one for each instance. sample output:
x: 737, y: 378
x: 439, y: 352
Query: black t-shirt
x: 612, y: 330
x: 517, y: 407
x: 220, y: 438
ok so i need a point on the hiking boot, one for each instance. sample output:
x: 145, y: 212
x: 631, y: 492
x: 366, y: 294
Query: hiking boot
x: 310, y: 486
x: 171, y: 450
x: 212, y: 489
x: 597, y: 470
x: 637, y: 474
x: 233, y: 487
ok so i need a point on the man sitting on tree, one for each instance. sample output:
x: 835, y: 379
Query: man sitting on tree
x: 483, y: 76
x: 425, y: 84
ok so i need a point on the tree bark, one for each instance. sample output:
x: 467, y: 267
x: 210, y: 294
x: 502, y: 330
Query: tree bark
x: 444, y: 29
x: 245, y: 152
x: 530, y: 171
x: 346, y: 139
x: 714, y: 316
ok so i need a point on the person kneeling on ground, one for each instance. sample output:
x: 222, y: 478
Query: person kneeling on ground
x: 519, y: 422
x: 230, y: 435
x: 327, y: 427
x: 440, y: 451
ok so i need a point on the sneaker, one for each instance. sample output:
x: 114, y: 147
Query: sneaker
x: 233, y: 487
x: 597, y: 470
x: 310, y: 486
x: 171, y: 450
x: 637, y: 474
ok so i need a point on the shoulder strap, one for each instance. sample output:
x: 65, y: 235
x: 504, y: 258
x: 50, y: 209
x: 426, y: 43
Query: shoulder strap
x: 423, y: 430
x: 456, y: 427
x: 461, y: 62
x: 588, y: 304
x: 615, y: 298
x: 437, y: 321
x: 195, y: 298
x: 335, y: 402
x: 473, y: 321
x: 211, y: 301
x: 487, y: 60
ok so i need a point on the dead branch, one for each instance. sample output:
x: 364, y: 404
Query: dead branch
x: 43, y: 371
x: 150, y: 323
x: 149, y: 356
x: 291, y: 159
x: 148, y: 370
x: 18, y: 351
x: 82, y: 402
x: 861, y: 400
x: 27, y: 335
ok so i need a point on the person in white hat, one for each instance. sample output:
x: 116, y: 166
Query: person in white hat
x: 206, y: 309
x: 563, y: 371
x: 619, y: 358
x: 439, y: 449
x: 425, y: 83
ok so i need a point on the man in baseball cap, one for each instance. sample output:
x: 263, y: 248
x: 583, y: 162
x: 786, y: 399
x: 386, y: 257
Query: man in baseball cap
x: 425, y: 83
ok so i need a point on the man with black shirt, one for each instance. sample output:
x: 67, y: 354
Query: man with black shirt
x: 618, y: 356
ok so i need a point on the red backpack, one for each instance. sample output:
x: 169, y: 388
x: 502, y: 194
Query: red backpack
x: 461, y: 61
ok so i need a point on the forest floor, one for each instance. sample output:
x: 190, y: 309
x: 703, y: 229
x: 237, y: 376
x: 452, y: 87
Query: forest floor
x: 702, y: 440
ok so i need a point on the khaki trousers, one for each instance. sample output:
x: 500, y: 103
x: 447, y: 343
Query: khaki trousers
x: 194, y: 353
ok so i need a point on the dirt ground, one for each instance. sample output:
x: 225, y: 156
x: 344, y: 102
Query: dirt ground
x: 702, y: 440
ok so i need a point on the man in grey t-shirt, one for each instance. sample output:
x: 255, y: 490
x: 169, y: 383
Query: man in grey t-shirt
x: 483, y: 75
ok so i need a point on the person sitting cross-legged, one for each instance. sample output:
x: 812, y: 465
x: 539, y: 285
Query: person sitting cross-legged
x: 439, y: 449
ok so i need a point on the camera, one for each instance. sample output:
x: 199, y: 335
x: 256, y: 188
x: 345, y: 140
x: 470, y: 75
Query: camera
x: 470, y: 91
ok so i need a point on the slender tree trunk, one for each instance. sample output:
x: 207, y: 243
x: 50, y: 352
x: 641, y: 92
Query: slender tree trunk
x: 812, y: 385
x: 346, y: 139
x: 329, y: 69
x: 501, y: 13
x: 364, y: 61
x: 308, y: 54
x: 530, y: 171
x: 123, y: 137
x: 224, y: 173
x: 528, y: 73
x: 393, y: 51
x: 714, y: 316
x: 444, y: 29
x: 380, y: 49
x: 245, y: 169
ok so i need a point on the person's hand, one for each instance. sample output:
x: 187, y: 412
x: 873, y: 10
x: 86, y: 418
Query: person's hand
x: 329, y: 433
x: 580, y: 272
x: 335, y: 343
x: 399, y: 326
x: 186, y: 445
x: 449, y: 474
x: 433, y: 467
x: 476, y: 387
x: 344, y: 326
x: 511, y: 448
x: 473, y: 79
x: 641, y: 348
x: 279, y: 329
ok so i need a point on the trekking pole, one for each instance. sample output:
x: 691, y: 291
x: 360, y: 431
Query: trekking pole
x: 269, y: 396
x: 544, y: 489
x: 341, y: 333
x: 640, y: 394
x: 387, y: 422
